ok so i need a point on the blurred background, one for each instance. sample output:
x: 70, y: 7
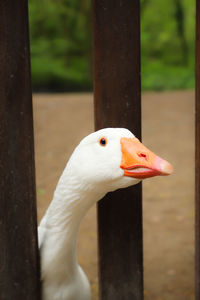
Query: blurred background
x: 61, y: 39
x: 61, y: 54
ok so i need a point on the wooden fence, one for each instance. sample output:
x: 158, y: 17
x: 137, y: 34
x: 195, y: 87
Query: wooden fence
x: 19, y: 264
x: 197, y: 156
x: 117, y: 103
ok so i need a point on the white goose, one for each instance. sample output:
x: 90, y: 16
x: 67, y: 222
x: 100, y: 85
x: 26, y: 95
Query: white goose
x: 104, y: 161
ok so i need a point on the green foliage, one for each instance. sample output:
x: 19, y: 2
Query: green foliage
x: 158, y: 76
x: 168, y: 29
x: 61, y: 44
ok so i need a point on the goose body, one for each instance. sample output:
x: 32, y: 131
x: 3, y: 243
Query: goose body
x: 104, y: 161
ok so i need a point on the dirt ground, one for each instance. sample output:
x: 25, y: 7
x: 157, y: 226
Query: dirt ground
x: 61, y: 121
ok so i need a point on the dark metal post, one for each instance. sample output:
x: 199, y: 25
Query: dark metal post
x: 19, y: 267
x: 197, y: 154
x: 118, y: 104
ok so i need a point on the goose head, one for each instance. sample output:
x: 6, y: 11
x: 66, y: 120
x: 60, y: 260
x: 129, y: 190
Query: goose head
x: 104, y: 161
x: 114, y: 158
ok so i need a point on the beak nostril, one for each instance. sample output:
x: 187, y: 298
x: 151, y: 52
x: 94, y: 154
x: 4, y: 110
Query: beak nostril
x: 141, y: 154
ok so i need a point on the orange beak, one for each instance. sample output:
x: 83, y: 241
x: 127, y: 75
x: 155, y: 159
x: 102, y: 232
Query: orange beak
x: 139, y: 162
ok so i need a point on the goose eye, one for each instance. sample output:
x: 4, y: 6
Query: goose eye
x: 103, y: 141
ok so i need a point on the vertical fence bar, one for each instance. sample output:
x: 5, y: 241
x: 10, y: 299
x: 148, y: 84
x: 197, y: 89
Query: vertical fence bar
x: 118, y: 104
x: 19, y: 267
x: 197, y: 155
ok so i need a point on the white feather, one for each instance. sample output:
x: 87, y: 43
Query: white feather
x: 92, y: 171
